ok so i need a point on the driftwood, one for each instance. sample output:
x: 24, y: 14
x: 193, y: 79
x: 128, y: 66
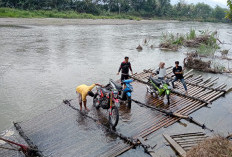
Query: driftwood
x: 197, y: 41
x: 139, y: 48
x: 196, y: 63
x: 168, y: 46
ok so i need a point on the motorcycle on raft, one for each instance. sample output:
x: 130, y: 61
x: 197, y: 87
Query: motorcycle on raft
x: 124, y: 94
x: 108, y: 99
x: 159, y: 87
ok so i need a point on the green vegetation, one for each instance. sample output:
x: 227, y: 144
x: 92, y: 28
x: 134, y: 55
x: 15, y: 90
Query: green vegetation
x: 204, y: 41
x: 205, y: 50
x: 171, y: 39
x: 229, y: 12
x: 8, y: 12
x: 191, y: 35
x: 128, y: 9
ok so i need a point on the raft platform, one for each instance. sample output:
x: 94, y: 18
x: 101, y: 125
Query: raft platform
x: 63, y: 131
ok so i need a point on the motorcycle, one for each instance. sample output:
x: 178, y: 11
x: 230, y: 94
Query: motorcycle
x: 159, y: 87
x: 124, y: 94
x: 107, y: 99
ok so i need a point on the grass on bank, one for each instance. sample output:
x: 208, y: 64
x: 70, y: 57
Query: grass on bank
x: 16, y: 13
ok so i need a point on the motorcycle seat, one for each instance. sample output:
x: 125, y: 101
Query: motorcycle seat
x: 105, y: 91
x: 117, y: 86
x: 156, y: 81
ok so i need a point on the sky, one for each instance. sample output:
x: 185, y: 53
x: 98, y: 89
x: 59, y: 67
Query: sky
x: 213, y: 3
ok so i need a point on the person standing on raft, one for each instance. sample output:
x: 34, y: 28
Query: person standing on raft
x: 125, y: 67
x: 177, y: 70
x: 82, y: 92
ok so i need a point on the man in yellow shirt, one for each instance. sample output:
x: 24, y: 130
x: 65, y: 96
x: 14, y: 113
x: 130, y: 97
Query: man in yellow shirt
x: 83, y: 91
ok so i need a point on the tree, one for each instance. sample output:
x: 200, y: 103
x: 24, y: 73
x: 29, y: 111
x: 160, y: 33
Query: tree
x: 203, y: 10
x: 163, y: 7
x: 219, y: 13
x: 229, y: 12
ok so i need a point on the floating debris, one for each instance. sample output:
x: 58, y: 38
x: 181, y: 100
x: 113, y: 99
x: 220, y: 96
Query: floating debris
x: 214, y: 147
x: 139, y: 48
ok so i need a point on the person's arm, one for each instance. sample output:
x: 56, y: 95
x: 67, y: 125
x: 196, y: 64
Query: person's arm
x: 130, y: 69
x: 165, y: 72
x: 119, y: 69
x: 173, y: 70
x: 181, y: 72
x: 91, y: 87
x: 97, y: 84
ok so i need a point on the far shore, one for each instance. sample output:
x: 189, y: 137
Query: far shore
x: 61, y: 21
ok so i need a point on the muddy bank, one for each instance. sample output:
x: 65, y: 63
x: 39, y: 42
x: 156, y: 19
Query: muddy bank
x: 60, y: 21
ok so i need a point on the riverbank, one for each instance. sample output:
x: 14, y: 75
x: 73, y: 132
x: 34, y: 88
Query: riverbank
x: 17, y: 13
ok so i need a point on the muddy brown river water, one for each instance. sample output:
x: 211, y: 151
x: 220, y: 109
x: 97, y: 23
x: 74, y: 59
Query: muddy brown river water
x: 41, y: 63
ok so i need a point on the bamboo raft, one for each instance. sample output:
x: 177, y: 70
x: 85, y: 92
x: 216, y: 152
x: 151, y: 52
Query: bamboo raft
x: 201, y: 92
x: 139, y: 127
x: 184, y: 142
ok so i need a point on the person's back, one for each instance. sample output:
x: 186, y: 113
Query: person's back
x: 162, y: 73
x: 84, y: 89
x: 82, y: 92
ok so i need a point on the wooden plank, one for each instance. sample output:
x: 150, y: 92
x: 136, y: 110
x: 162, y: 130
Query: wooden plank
x: 175, y: 145
x: 189, y: 134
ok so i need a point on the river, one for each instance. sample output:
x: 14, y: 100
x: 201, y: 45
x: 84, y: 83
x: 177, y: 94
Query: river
x: 40, y: 65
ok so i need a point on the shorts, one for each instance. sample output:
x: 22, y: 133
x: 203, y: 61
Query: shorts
x: 79, y: 97
x: 124, y: 77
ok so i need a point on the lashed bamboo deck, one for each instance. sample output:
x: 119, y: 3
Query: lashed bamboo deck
x: 201, y: 92
x: 184, y: 142
x: 139, y: 124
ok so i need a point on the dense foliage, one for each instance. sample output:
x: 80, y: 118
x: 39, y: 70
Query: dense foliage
x: 229, y: 12
x: 141, y: 8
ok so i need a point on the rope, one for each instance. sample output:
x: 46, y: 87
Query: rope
x: 128, y: 140
x: 171, y: 114
x: 10, y: 148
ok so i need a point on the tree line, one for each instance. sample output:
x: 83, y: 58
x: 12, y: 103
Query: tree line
x: 142, y: 8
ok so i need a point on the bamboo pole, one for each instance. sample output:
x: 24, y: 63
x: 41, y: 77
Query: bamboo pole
x: 155, y: 128
x: 205, y: 81
x: 188, y: 76
x: 147, y: 130
x: 185, y: 74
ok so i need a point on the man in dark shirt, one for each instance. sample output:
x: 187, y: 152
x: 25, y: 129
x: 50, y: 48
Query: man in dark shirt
x: 177, y: 70
x: 125, y: 67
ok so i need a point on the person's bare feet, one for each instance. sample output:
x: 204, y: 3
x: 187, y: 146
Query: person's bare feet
x: 87, y: 109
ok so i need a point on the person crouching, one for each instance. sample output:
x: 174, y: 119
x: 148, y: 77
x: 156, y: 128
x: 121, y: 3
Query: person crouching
x: 82, y: 92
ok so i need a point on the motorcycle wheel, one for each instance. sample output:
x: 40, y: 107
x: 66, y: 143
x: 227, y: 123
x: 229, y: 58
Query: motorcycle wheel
x: 114, y: 117
x: 129, y: 101
x: 149, y: 90
x: 168, y: 98
x: 96, y: 101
